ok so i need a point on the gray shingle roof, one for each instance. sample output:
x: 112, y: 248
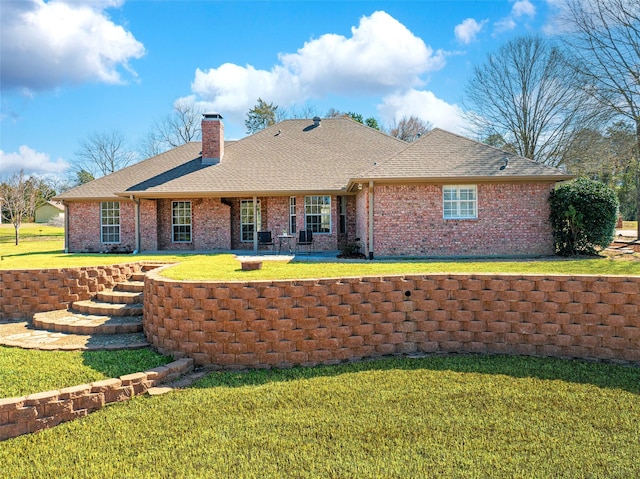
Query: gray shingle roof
x: 440, y: 155
x: 294, y: 156
x: 291, y: 156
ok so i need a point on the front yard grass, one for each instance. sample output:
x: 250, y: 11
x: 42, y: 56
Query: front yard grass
x: 24, y: 372
x: 439, y: 416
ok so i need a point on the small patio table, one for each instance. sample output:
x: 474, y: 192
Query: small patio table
x: 289, y: 240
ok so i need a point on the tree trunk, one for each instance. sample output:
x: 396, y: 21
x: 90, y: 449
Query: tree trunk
x: 17, y: 228
x: 637, y: 154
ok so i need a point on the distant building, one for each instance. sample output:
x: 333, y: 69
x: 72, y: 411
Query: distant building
x: 50, y: 210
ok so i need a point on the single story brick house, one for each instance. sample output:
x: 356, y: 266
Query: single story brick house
x: 441, y: 195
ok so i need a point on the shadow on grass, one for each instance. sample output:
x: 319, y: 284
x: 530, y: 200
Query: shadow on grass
x: 598, y: 374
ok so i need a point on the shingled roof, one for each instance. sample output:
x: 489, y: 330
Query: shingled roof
x: 303, y: 156
x: 290, y: 157
x: 442, y: 156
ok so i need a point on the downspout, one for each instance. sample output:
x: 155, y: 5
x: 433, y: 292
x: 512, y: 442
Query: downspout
x: 370, y: 219
x: 255, y: 225
x: 136, y: 222
x: 66, y: 227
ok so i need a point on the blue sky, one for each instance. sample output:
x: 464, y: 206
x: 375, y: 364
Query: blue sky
x: 69, y: 68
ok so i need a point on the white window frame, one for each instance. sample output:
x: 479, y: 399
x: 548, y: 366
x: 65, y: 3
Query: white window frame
x: 292, y: 215
x: 317, y: 206
x: 460, y: 202
x: 110, y: 222
x: 180, y: 220
x: 246, y: 219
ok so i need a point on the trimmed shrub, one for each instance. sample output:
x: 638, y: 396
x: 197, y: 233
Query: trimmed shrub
x: 583, y: 216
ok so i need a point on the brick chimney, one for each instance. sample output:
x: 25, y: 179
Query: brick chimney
x: 212, y: 139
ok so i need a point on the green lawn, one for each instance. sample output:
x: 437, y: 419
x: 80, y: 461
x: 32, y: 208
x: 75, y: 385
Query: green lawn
x: 24, y: 372
x: 44, y: 249
x: 456, y: 416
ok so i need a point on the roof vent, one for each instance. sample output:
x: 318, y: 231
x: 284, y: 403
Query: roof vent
x: 506, y: 163
x: 316, y: 121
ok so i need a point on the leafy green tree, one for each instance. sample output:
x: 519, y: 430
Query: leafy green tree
x: 372, y: 123
x: 583, y: 216
x: 83, y: 176
x: 261, y: 116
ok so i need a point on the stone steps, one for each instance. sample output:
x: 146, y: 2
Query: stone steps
x: 79, y: 323
x: 119, y: 297
x: 91, y: 306
x: 111, y: 320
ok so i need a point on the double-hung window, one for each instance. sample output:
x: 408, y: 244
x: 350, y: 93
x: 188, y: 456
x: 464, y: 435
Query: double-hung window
x: 460, y: 202
x: 110, y: 222
x: 317, y: 213
x: 181, y: 221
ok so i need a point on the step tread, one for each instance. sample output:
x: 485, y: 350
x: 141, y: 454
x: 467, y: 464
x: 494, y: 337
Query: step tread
x: 83, y: 323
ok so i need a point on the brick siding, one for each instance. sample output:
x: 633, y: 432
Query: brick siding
x: 84, y: 227
x: 513, y: 219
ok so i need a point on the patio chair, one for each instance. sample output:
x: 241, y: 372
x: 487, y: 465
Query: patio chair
x: 305, y: 239
x: 264, y: 239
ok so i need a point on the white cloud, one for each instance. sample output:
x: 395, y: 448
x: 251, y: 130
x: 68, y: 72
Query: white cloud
x: 381, y: 56
x: 31, y: 161
x: 45, y: 45
x: 523, y: 8
x: 467, y: 31
x: 520, y: 9
x: 424, y: 105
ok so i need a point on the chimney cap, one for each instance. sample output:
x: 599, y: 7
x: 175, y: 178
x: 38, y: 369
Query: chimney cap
x: 212, y: 116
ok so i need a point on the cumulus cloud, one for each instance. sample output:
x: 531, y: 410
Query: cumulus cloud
x: 467, y: 31
x: 424, y: 105
x: 520, y: 9
x: 45, y: 45
x: 31, y: 161
x: 380, y: 56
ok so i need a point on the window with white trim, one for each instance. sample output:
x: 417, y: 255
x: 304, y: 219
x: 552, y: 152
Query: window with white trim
x: 342, y: 201
x: 247, y: 221
x: 317, y: 213
x: 110, y: 222
x: 292, y: 215
x: 460, y: 202
x: 181, y: 221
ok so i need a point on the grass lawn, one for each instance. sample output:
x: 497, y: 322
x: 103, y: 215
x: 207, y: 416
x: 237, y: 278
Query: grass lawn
x: 455, y: 416
x: 42, y: 247
x: 24, y: 372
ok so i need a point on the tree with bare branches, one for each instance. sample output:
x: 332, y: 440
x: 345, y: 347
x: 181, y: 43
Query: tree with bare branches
x: 103, y: 153
x: 19, y: 196
x: 604, y: 38
x: 410, y: 128
x: 178, y: 128
x: 527, y: 94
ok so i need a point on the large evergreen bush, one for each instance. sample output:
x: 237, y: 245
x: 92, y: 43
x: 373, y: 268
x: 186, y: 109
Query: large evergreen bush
x: 583, y: 216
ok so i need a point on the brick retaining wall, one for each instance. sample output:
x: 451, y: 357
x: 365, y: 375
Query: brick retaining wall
x: 27, y: 414
x: 307, y: 322
x: 26, y: 292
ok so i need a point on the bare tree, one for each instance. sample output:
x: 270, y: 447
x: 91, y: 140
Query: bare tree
x: 20, y: 196
x: 178, y: 128
x: 604, y: 38
x: 103, y: 153
x: 409, y: 128
x: 527, y: 94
